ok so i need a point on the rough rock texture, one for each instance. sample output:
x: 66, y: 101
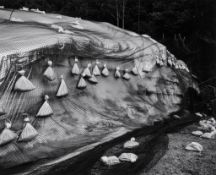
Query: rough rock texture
x: 85, y: 118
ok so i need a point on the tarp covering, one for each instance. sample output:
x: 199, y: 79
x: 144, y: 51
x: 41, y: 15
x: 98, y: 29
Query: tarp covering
x: 100, y: 112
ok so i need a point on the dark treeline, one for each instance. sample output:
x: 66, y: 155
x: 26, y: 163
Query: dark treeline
x: 186, y: 27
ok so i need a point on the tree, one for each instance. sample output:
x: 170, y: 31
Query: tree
x: 139, y: 6
x: 124, y: 2
x: 117, y: 13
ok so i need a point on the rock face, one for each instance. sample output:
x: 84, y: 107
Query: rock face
x: 86, y: 117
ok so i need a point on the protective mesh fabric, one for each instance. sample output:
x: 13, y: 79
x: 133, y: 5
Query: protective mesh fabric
x: 88, y: 116
x: 84, y: 116
x: 95, y: 39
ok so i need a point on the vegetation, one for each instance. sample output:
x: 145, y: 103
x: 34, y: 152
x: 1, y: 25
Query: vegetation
x: 186, y: 27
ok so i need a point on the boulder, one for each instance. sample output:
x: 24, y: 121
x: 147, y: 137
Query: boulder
x: 91, y: 114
